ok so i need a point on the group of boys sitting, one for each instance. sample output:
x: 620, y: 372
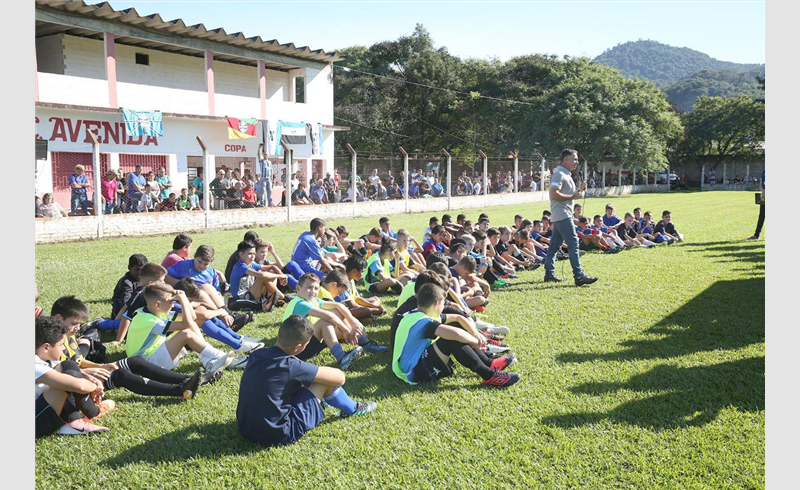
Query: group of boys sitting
x: 612, y: 234
x: 161, y: 310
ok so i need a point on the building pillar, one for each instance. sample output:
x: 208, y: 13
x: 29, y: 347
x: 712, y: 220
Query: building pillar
x: 111, y: 68
x: 36, y: 74
x: 604, y: 175
x: 209, y: 58
x: 262, y: 90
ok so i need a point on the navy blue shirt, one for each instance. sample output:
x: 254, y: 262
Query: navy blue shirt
x: 270, y: 382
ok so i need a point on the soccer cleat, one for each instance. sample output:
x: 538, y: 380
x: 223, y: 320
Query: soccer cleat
x: 105, y: 406
x: 191, y: 385
x: 552, y: 279
x: 496, y: 342
x: 479, y: 309
x: 502, y: 378
x: 373, y: 347
x: 220, y: 363
x: 363, y: 408
x: 500, y: 284
x: 267, y: 303
x: 501, y: 363
x: 509, y: 275
x: 490, y: 336
x: 347, y: 361
x: 248, y: 346
x: 254, y: 340
x: 210, y: 378
x: 81, y: 427
x: 610, y: 250
x: 496, y: 349
x: 498, y: 330
x: 239, y: 362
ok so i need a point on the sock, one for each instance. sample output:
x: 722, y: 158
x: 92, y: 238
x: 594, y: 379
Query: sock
x: 362, y: 340
x: 209, y: 353
x: 339, y: 399
x: 217, y: 330
x: 108, y: 324
x: 337, y: 352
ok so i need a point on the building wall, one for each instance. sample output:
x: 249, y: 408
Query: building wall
x: 50, y: 54
x: 84, y: 58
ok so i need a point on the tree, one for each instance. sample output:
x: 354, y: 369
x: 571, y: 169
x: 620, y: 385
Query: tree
x: 725, y: 127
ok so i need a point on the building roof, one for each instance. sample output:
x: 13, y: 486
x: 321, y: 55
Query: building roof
x: 74, y: 17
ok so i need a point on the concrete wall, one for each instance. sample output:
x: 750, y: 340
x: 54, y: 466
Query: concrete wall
x: 50, y: 54
x: 49, y: 230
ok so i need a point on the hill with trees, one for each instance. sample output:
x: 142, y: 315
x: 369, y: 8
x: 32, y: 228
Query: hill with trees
x: 713, y: 83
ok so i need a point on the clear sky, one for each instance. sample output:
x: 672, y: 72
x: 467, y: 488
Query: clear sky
x: 726, y: 30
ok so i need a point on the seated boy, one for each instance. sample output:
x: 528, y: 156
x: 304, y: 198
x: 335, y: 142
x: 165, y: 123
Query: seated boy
x: 424, y: 344
x: 648, y: 226
x: 127, y: 284
x: 409, y: 259
x: 150, y: 334
x: 333, y: 285
x: 250, y: 282
x: 250, y: 236
x: 610, y: 234
x: 280, y: 395
x: 134, y: 374
x: 63, y: 395
x: 356, y: 267
x: 201, y: 271
x: 332, y: 322
x: 181, y: 247
x: 436, y: 241
x: 610, y: 219
x: 149, y: 274
x: 666, y: 226
x: 379, y: 271
x: 591, y: 239
x: 334, y: 250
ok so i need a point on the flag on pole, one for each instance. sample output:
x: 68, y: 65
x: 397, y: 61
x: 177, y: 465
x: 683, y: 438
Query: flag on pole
x: 241, y: 128
x: 143, y: 123
x: 290, y: 133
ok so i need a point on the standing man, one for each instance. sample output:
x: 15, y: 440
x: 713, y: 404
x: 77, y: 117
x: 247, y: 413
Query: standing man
x: 164, y: 184
x: 136, y: 183
x: 266, y: 175
x: 78, y: 182
x: 761, y: 211
x: 562, y: 193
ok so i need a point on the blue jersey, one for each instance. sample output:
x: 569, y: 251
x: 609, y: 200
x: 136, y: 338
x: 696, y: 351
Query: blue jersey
x: 238, y: 273
x: 612, y: 221
x: 306, y: 251
x: 185, y: 268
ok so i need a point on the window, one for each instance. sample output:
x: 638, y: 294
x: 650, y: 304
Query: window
x: 142, y: 59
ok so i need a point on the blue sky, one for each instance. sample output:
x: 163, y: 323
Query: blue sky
x: 726, y: 30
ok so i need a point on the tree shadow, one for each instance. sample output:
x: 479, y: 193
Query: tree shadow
x: 687, y: 397
x: 728, y: 315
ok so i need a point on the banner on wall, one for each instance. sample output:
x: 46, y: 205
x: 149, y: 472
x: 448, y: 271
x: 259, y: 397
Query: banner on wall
x: 241, y: 128
x: 143, y: 123
x: 291, y: 134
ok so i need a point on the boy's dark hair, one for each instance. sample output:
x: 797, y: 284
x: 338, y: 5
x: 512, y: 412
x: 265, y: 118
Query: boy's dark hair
x: 546, y: 213
x: 467, y: 223
x: 387, y: 247
x: 458, y: 247
x: 478, y: 235
x: 577, y: 205
x: 433, y: 220
x: 188, y: 286
x: 383, y: 220
x: 316, y: 223
x: 341, y: 229
x: 337, y: 276
x: 69, y: 306
x: 136, y: 260
x: 158, y: 291
x: 461, y: 217
x: 244, y: 246
x: 583, y: 220
x: 492, y: 232
x: 482, y: 216
x: 468, y: 263
x: 434, y: 258
x: 483, y: 220
x: 259, y: 243
x: 596, y: 216
x: 609, y: 206
x: 376, y: 232
x: 354, y: 262
x: 181, y: 241
x: 151, y: 272
x: 308, y: 276
x: 49, y: 330
x: 566, y: 153
x: 525, y: 223
x: 428, y: 295
x: 647, y: 213
x: 295, y: 330
x: 436, y: 229
x: 637, y: 209
x: 446, y: 218
x: 518, y: 216
x: 428, y: 277
x: 523, y: 235
x: 628, y: 214
x: 665, y: 213
x: 442, y: 269
x: 205, y: 253
x: 250, y: 236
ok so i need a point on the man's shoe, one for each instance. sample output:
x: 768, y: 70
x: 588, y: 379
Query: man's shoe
x: 373, y: 347
x: 220, y: 363
x: 502, y: 378
x: 347, y: 361
x: 191, y: 385
x: 81, y: 427
x: 754, y: 237
x: 501, y: 363
x: 585, y: 280
x: 552, y: 279
x: 363, y: 408
x: 248, y: 346
x: 208, y: 378
x: 239, y: 362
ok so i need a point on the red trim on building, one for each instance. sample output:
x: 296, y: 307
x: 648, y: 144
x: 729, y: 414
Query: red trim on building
x: 262, y: 87
x: 111, y: 68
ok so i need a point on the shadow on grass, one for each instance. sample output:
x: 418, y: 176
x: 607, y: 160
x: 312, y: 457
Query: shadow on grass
x: 688, y: 397
x: 727, y: 315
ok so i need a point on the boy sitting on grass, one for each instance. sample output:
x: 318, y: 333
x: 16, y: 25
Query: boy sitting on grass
x: 667, y: 227
x: 355, y: 267
x: 591, y: 239
x: 409, y: 259
x: 249, y: 282
x: 201, y: 271
x: 127, y: 284
x: 181, y: 247
x: 334, y: 284
x: 63, y: 395
x: 150, y: 273
x: 379, y: 271
x: 280, y: 396
x: 332, y: 323
x: 424, y: 344
x: 151, y: 332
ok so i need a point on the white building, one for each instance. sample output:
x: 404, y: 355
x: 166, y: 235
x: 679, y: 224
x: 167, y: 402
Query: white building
x: 92, y: 60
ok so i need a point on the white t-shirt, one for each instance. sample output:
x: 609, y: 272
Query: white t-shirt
x: 374, y: 179
x: 42, y: 367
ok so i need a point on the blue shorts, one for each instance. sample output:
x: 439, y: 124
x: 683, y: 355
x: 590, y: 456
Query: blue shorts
x: 313, y: 348
x: 306, y: 414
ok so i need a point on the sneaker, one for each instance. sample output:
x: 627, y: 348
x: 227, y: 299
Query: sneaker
x: 221, y: 362
x: 239, y: 362
x: 585, y: 280
x: 627, y: 246
x: 610, y: 250
x: 498, y: 330
x: 251, y: 339
x: 479, y: 309
x: 502, y: 378
x: 754, y: 237
x: 191, y: 385
x: 498, y: 343
x: 501, y: 363
x: 347, y: 361
x: 496, y: 349
x: 363, y: 408
x: 490, y: 336
x: 208, y: 378
x: 106, y: 406
x: 81, y: 427
x: 248, y: 346
x: 552, y: 279
x: 535, y: 266
x: 500, y: 284
x: 289, y: 297
x: 267, y: 303
x: 373, y: 347
x: 581, y: 253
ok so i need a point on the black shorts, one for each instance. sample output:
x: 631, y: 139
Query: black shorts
x: 431, y: 367
x: 359, y: 253
x: 47, y: 420
x: 373, y: 288
x: 313, y: 348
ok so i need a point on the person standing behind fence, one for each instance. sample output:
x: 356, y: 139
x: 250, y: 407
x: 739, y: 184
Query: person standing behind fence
x: 761, y: 212
x: 164, y: 184
x: 136, y: 183
x: 78, y: 182
x: 109, y: 188
x: 562, y: 192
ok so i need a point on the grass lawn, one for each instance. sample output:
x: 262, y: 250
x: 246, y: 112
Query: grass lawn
x: 653, y: 377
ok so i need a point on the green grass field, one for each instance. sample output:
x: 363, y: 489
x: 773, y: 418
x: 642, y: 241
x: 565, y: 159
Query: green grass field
x: 651, y: 378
